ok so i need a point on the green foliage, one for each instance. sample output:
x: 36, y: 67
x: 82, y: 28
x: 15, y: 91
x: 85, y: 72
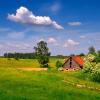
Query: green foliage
x: 89, y: 57
x: 42, y: 53
x: 97, y: 59
x: 16, y: 58
x: 90, y: 67
x: 81, y: 54
x: 89, y: 64
x: 91, y: 50
x: 96, y: 73
x: 87, y: 67
x: 58, y: 64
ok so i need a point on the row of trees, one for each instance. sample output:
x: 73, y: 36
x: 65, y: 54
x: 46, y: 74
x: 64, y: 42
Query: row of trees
x: 20, y: 55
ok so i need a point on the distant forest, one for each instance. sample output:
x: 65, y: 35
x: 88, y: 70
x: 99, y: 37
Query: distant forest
x: 20, y: 55
x: 31, y: 55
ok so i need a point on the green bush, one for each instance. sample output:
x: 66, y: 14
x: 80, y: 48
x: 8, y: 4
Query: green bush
x: 88, y: 67
x: 91, y: 68
x: 95, y: 75
x: 58, y: 64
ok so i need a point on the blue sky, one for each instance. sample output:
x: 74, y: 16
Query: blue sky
x: 68, y: 26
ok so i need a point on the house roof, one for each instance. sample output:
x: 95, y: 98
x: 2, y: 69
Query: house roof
x: 78, y: 59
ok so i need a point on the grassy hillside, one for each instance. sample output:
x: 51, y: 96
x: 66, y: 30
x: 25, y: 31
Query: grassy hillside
x: 44, y: 85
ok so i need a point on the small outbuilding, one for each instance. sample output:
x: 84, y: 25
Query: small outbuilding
x: 73, y: 63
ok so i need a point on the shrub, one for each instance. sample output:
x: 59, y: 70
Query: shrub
x: 9, y: 59
x: 95, y: 75
x: 89, y: 64
x: 97, y: 59
x: 90, y: 58
x: 91, y: 68
x: 44, y: 65
x: 88, y: 67
x: 58, y: 64
x: 16, y: 58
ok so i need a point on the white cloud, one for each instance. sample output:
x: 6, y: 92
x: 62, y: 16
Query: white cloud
x: 70, y: 42
x: 23, y: 15
x: 52, y: 40
x: 74, y: 23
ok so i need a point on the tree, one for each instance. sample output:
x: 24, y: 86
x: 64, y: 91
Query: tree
x: 91, y: 50
x: 81, y: 54
x: 42, y: 53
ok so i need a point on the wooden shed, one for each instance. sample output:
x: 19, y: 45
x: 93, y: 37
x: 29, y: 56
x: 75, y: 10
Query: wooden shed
x: 73, y: 63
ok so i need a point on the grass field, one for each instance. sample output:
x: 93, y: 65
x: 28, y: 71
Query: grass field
x: 16, y: 84
x: 24, y: 63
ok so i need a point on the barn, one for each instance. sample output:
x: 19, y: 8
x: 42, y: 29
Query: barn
x: 73, y: 63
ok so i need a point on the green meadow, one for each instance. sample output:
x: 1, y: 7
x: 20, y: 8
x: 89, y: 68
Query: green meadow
x: 31, y: 63
x: 17, y: 84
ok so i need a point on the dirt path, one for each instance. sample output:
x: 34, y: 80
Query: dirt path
x: 33, y: 69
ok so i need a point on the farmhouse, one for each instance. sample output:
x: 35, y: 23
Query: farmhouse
x: 73, y: 63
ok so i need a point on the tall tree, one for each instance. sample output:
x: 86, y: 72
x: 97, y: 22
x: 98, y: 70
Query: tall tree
x: 42, y: 53
x: 92, y: 50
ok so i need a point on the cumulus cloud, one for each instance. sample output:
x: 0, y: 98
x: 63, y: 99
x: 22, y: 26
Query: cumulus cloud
x: 74, y: 23
x: 70, y: 42
x: 23, y: 15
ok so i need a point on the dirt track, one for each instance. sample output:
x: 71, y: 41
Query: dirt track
x: 33, y: 69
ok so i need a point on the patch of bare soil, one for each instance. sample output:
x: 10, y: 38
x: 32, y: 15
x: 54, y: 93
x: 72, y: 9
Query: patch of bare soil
x: 33, y: 69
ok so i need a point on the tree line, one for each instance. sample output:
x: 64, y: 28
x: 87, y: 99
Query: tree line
x: 20, y: 55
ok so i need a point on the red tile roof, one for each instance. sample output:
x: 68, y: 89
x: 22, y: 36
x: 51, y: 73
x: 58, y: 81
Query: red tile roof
x: 78, y: 59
